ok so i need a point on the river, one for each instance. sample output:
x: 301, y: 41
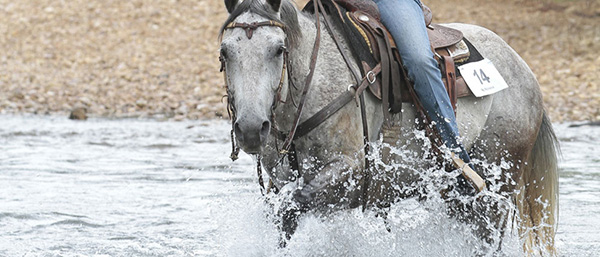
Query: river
x: 147, y: 188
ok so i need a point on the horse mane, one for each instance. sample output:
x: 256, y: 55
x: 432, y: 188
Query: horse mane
x: 288, y: 13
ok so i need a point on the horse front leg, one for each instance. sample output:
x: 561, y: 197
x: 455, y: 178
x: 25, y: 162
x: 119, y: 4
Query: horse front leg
x: 335, y: 184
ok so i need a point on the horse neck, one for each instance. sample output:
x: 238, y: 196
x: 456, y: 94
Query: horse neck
x: 300, y: 58
x: 300, y: 54
x: 299, y: 62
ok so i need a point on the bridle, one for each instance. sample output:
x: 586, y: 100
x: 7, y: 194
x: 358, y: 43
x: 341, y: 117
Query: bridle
x: 298, y: 129
x: 250, y: 28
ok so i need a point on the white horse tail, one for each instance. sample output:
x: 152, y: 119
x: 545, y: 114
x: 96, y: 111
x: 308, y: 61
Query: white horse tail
x: 538, y: 197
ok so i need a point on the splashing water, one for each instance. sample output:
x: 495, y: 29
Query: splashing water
x: 147, y: 188
x: 413, y: 227
x: 416, y: 229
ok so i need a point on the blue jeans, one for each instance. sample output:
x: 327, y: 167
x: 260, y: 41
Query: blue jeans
x: 404, y: 19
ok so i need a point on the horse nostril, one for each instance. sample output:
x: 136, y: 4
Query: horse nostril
x: 251, y: 136
x: 237, y: 130
x: 266, y: 126
x: 264, y: 131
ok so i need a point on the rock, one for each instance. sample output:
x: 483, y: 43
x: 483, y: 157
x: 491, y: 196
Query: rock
x: 179, y: 117
x: 78, y: 113
x: 141, y: 103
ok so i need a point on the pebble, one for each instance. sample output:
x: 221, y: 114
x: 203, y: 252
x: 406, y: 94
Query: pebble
x: 128, y: 61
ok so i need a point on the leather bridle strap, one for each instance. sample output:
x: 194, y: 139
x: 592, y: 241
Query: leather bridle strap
x: 341, y: 101
x: 250, y: 27
x: 313, y: 61
x: 335, y: 105
x: 344, y: 98
x: 230, y: 109
x: 322, y: 115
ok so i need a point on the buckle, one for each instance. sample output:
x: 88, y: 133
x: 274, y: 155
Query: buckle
x: 371, y: 77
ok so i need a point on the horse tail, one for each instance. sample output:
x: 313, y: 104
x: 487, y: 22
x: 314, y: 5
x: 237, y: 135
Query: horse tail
x: 538, y: 199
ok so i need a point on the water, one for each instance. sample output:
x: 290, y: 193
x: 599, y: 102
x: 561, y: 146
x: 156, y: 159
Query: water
x: 148, y: 188
x: 579, y: 222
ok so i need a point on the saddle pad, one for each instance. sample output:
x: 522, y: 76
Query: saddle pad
x: 367, y: 6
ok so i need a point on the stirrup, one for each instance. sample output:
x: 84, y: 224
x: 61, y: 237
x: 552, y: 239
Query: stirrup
x: 470, y: 175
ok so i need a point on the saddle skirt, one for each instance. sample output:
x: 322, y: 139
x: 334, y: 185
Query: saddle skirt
x: 374, y: 46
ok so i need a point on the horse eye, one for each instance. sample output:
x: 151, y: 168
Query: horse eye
x: 280, y: 50
x: 223, y: 53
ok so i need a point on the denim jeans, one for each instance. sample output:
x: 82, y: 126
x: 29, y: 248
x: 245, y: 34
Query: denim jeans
x: 404, y: 19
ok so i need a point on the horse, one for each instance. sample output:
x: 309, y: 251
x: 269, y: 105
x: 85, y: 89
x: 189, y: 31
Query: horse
x: 268, y: 49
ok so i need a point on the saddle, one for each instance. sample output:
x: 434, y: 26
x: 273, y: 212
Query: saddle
x: 382, y: 65
x: 384, y: 62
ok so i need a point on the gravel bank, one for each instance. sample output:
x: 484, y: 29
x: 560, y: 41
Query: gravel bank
x: 159, y: 58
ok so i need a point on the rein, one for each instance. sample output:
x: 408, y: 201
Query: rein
x: 313, y: 62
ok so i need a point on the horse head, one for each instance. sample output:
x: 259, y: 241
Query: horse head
x: 254, y: 43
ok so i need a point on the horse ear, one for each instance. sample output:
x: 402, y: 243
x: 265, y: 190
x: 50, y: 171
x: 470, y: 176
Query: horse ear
x: 230, y: 5
x: 275, y: 4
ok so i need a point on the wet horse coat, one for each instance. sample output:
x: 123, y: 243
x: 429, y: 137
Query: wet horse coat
x: 509, y: 126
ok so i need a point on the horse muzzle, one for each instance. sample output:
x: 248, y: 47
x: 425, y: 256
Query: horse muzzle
x: 251, y: 136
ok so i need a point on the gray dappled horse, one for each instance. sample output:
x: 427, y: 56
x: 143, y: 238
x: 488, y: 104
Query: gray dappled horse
x: 507, y: 127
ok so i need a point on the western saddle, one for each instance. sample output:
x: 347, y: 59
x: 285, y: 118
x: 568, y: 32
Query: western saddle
x: 383, y: 71
x: 361, y: 19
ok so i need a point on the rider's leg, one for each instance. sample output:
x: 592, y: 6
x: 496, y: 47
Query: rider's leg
x: 404, y: 19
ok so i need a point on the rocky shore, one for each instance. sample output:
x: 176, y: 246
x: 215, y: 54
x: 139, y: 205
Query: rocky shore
x: 160, y: 58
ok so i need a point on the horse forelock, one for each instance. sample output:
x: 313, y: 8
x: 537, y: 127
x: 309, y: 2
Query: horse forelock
x: 288, y: 16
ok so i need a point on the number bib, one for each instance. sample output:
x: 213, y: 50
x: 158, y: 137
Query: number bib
x: 482, y: 77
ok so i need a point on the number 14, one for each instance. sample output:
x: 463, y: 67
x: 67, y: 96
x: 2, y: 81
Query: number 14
x: 481, y: 76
